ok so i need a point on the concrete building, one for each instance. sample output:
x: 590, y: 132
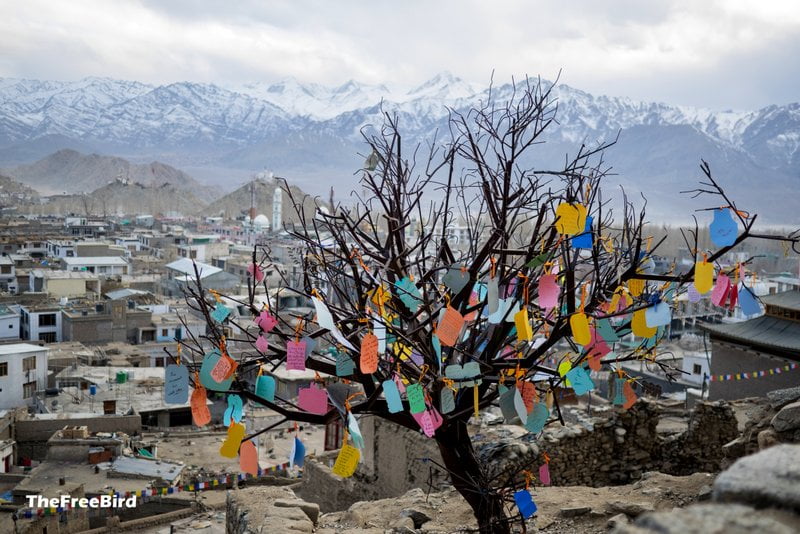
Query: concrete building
x: 181, y: 272
x: 105, y: 322
x: 23, y: 372
x: 765, y: 344
x: 9, y: 323
x: 104, y: 265
x: 60, y: 248
x: 70, y: 284
x: 8, y: 275
x: 41, y: 323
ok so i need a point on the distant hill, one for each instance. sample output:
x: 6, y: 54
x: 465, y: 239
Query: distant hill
x: 237, y: 203
x: 69, y: 171
x: 122, y: 199
x: 14, y: 194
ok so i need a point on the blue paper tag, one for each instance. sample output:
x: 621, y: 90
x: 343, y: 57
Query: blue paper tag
x: 234, y: 410
x: 220, y: 313
x: 581, y: 382
x: 265, y: 387
x: 584, y: 240
x: 748, y: 301
x: 723, y: 229
x: 537, y: 418
x: 525, y: 503
x: 176, y: 384
x: 392, y: 395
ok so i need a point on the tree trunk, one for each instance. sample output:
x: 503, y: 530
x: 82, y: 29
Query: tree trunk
x: 469, y: 479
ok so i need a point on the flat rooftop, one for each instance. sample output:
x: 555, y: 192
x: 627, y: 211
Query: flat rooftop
x: 20, y: 348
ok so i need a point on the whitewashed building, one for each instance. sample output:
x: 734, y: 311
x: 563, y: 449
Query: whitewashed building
x: 23, y: 372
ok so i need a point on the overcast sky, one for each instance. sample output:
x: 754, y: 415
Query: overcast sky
x: 721, y: 54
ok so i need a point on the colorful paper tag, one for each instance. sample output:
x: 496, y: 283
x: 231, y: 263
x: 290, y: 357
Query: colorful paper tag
x: 723, y: 229
x: 416, y: 398
x: 233, y: 413
x: 313, y: 399
x: 347, y: 461
x: 220, y: 313
x: 176, y: 384
x: 392, y: 396
x: 248, y: 458
x: 449, y: 328
x: 230, y: 447
x: 201, y: 416
x: 579, y: 323
x: 295, y: 356
x: 265, y: 387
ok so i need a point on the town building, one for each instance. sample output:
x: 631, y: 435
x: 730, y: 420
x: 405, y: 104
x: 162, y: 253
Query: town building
x: 23, y: 372
x: 753, y: 357
x: 103, y: 265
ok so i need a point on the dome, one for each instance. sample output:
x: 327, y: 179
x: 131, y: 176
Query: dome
x: 261, y: 221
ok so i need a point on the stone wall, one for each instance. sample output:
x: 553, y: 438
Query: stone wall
x: 615, y: 448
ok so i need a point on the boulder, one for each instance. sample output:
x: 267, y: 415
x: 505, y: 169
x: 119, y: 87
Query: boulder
x: 716, y: 518
x: 781, y: 397
x: 309, y: 508
x: 767, y: 478
x: 575, y: 511
x: 788, y: 418
x: 631, y: 509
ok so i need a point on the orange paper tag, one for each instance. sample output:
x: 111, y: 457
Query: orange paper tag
x: 528, y: 392
x: 224, y: 369
x: 450, y: 327
x: 369, y: 354
x: 248, y: 458
x: 200, y: 414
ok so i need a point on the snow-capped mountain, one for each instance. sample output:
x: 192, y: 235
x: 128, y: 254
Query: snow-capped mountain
x: 312, y: 131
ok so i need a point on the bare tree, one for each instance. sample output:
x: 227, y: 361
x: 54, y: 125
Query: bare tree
x: 478, y: 312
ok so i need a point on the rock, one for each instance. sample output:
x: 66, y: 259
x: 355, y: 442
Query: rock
x: 419, y: 518
x: 575, y: 511
x: 353, y: 518
x: 631, y: 509
x: 735, y: 448
x: 767, y: 438
x: 403, y: 525
x: 781, y: 397
x: 767, y: 478
x: 788, y: 418
x: 309, y: 508
x: 716, y: 518
x: 704, y: 494
x: 617, y: 521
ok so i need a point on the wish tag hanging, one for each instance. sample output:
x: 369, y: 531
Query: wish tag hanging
x: 345, y: 366
x: 723, y: 230
x: 703, y: 276
x: 220, y: 313
x: 295, y: 356
x: 449, y: 328
x: 549, y: 291
x: 265, y: 387
x: 201, y: 415
x: 392, y: 396
x: 579, y: 323
x: 456, y: 279
x: 570, y: 218
x: 492, y: 295
x: 409, y: 294
x: 369, y: 354
x: 176, y: 384
x: 721, y: 289
x: 447, y: 400
x: 416, y: 398
x: 347, y: 461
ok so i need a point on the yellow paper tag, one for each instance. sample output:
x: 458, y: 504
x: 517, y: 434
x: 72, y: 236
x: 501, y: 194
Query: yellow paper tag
x: 523, y: 324
x: 636, y: 286
x: 639, y: 325
x: 230, y: 447
x: 347, y: 461
x: 570, y: 218
x: 580, y: 328
x: 703, y: 276
x: 563, y: 368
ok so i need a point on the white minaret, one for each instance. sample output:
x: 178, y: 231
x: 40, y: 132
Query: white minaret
x: 277, y: 210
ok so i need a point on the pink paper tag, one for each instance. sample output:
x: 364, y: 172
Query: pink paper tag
x: 400, y: 386
x: 720, y: 292
x: 544, y: 474
x: 429, y: 421
x: 266, y: 321
x: 261, y: 344
x: 296, y: 356
x: 549, y: 291
x: 313, y: 399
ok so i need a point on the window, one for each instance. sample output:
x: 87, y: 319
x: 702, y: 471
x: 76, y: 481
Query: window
x: 164, y: 332
x: 159, y: 362
x: 48, y: 337
x: 28, y: 389
x: 3, y: 369
x: 29, y: 363
x: 697, y: 369
x: 47, y: 319
x: 5, y: 269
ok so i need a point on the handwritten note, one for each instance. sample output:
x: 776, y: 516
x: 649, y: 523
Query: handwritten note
x: 211, y: 361
x: 176, y: 384
x: 549, y: 291
x: 201, y: 416
x: 449, y: 327
x: 248, y: 458
x: 345, y: 366
x: 579, y: 323
x: 224, y: 369
x: 416, y: 398
x: 265, y: 387
x: 369, y: 354
x: 392, y: 396
x: 619, y: 391
x: 230, y: 447
x: 313, y: 399
x: 220, y: 313
x: 429, y: 421
x: 295, y: 355
x: 525, y: 504
x: 347, y: 461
